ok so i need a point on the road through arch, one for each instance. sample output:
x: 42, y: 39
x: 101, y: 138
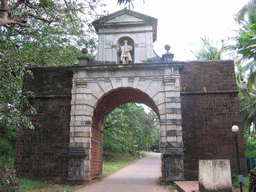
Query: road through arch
x: 105, y: 105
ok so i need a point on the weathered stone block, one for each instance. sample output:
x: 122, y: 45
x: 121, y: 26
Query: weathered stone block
x: 78, y: 152
x: 77, y: 169
x: 176, y: 110
x: 171, y: 139
x: 171, y: 133
x: 215, y: 175
x: 172, y: 164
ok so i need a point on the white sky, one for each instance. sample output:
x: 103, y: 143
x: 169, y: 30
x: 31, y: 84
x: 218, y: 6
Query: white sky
x: 181, y: 23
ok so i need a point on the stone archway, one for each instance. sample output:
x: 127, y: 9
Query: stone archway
x: 97, y: 90
x: 105, y: 105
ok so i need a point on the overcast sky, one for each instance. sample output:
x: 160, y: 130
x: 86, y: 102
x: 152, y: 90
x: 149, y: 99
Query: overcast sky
x: 181, y: 23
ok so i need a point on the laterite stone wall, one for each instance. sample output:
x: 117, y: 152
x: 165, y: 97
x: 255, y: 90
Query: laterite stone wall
x: 43, y: 153
x: 96, y: 153
x: 209, y: 109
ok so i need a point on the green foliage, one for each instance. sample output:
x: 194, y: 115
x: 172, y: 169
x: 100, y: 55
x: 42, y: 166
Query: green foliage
x: 111, y: 146
x: 246, y: 75
x: 247, y: 100
x: 247, y: 13
x: 7, y: 160
x: 51, y: 34
x: 14, y: 106
x: 8, y: 182
x: 251, y: 148
x: 7, y: 148
x: 7, y: 144
x: 246, y: 182
x: 42, y: 186
x: 126, y: 2
x: 44, y: 45
x: 128, y: 126
x: 208, y: 51
x: 247, y: 41
x: 41, y: 43
x: 26, y: 184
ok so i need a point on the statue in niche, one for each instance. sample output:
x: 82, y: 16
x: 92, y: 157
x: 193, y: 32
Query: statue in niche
x: 125, y: 50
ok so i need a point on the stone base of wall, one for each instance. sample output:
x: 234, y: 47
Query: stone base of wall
x: 172, y: 165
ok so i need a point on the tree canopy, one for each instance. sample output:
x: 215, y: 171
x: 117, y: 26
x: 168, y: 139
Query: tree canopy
x: 39, y: 33
x: 246, y: 70
x: 21, y: 12
x: 129, y: 126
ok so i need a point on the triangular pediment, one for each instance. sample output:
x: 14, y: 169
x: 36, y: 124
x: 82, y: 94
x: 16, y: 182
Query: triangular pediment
x: 124, y: 17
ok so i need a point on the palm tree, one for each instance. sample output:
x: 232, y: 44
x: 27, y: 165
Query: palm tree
x: 247, y: 101
x: 208, y: 51
x: 246, y: 77
x: 247, y: 10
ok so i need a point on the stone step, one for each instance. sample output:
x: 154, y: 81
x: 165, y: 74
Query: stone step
x: 187, y: 186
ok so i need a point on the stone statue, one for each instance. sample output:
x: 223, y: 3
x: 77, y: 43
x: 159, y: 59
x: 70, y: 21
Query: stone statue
x: 125, y: 50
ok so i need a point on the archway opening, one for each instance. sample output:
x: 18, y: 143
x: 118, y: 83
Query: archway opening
x: 129, y: 131
x: 117, y: 98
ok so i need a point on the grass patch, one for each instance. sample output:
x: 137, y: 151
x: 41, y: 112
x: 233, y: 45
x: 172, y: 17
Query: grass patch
x: 112, y: 167
x: 237, y: 189
x: 119, y: 161
x: 26, y: 184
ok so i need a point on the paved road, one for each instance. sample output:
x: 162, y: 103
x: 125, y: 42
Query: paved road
x: 143, y: 175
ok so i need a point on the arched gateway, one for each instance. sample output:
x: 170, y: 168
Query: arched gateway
x: 73, y: 103
x: 124, y: 74
x: 97, y: 90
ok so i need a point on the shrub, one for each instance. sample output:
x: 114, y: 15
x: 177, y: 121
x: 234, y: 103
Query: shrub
x: 8, y: 180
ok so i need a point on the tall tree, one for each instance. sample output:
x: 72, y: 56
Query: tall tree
x: 246, y: 65
x: 36, y: 33
x: 247, y: 100
x: 246, y: 41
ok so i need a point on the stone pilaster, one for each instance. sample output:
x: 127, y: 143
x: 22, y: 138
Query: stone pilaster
x: 171, y: 124
x: 80, y: 132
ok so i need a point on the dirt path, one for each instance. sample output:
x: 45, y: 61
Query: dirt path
x: 143, y: 175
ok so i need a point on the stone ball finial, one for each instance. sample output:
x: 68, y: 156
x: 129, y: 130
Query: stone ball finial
x: 84, y: 51
x: 167, y: 47
x: 83, y: 60
x: 167, y: 57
